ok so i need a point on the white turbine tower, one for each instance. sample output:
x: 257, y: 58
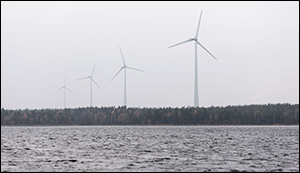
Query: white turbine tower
x: 65, y: 87
x: 92, y: 80
x: 125, y: 67
x: 196, y: 99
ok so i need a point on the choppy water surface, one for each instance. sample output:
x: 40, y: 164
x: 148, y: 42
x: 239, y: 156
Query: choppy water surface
x: 150, y: 148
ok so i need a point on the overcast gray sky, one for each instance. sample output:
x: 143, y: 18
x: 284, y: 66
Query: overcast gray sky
x: 256, y: 44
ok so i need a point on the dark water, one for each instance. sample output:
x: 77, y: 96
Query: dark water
x: 150, y: 148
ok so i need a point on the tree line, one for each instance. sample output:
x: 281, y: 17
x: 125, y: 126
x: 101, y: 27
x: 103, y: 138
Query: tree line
x: 267, y: 114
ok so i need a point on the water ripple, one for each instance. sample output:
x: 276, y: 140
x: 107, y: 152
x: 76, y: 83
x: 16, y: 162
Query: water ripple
x: 150, y: 148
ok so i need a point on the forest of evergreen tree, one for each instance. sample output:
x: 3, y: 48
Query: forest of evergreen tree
x: 267, y: 114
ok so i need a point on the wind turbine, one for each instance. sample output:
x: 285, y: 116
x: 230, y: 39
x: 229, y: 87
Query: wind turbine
x: 125, y: 67
x: 65, y: 87
x: 196, y: 99
x: 92, y: 80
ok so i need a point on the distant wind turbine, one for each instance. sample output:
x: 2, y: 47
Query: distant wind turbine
x: 65, y: 87
x: 196, y: 99
x: 125, y: 67
x: 92, y: 80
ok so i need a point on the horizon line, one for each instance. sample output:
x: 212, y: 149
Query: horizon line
x: 149, y: 107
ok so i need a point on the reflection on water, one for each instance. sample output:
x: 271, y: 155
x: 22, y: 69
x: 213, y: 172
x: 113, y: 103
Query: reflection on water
x: 150, y: 148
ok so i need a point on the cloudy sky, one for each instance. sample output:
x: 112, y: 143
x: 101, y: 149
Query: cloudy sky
x: 256, y: 44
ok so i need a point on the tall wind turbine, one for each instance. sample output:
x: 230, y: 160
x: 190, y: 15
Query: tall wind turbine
x: 196, y: 98
x: 125, y: 67
x: 92, y: 80
x: 65, y: 87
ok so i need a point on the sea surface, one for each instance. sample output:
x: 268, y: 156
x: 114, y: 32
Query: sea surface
x: 150, y: 148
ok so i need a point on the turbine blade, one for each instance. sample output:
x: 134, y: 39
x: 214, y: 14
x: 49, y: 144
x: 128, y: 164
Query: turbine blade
x: 83, y: 78
x: 198, y: 25
x: 69, y: 90
x: 117, y: 73
x: 122, y: 56
x: 65, y: 79
x: 191, y: 39
x: 94, y: 69
x: 59, y: 88
x: 95, y: 83
x: 206, y: 50
x: 135, y: 69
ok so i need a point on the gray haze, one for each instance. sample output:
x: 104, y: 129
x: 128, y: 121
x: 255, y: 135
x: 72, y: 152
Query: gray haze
x: 256, y: 44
